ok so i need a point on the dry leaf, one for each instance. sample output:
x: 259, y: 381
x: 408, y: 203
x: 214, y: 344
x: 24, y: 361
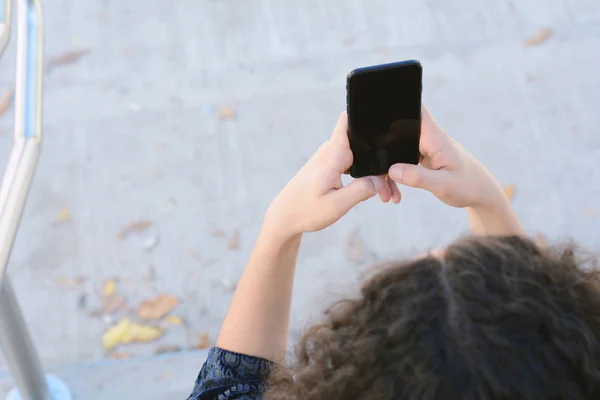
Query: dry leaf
x: 114, y: 303
x: 134, y: 227
x: 234, y: 241
x: 226, y: 112
x: 6, y: 100
x: 127, y: 332
x: 218, y: 233
x: 115, y: 355
x: 541, y: 241
x: 539, y: 37
x: 590, y: 213
x: 71, y: 282
x: 110, y: 287
x: 174, y: 320
x: 67, y: 58
x: 157, y: 307
x: 167, y: 349
x: 64, y: 214
x: 355, y: 248
x: 203, y: 341
x: 509, y: 191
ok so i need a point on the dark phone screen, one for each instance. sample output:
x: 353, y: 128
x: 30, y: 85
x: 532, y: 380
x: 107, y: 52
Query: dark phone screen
x: 384, y: 111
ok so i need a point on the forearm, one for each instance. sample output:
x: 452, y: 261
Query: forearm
x: 258, y: 319
x: 497, y: 218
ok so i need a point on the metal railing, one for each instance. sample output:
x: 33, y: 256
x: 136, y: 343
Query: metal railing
x: 20, y: 354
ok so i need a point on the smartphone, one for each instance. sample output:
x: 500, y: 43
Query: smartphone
x: 384, y: 116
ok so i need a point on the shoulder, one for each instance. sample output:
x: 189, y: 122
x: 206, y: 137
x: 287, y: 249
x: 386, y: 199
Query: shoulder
x: 227, y: 375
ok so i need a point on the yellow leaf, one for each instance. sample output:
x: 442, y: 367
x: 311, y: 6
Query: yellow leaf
x: 174, y: 320
x: 127, y: 332
x: 64, y: 214
x: 110, y: 287
x: 115, y: 335
x: 144, y: 333
x: 509, y: 191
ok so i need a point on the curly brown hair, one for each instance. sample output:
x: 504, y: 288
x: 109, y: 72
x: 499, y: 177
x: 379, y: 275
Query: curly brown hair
x: 494, y: 318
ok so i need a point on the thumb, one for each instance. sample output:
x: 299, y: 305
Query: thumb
x: 359, y: 190
x: 418, y: 176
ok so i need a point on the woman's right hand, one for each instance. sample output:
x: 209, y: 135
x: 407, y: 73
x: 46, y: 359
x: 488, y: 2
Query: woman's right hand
x: 449, y: 171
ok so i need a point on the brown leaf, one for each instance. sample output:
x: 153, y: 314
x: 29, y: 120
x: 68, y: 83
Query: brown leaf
x: 115, y: 355
x: 70, y: 57
x: 203, y: 341
x: 226, y: 112
x: 509, y: 191
x: 71, y: 283
x: 218, y: 233
x: 134, y: 227
x: 590, y: 213
x: 355, y: 248
x: 167, y: 349
x: 157, y: 307
x: 6, y: 100
x: 234, y: 241
x: 114, y: 303
x: 539, y: 38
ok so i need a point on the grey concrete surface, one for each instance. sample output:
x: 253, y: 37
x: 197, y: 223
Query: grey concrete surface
x: 132, y: 132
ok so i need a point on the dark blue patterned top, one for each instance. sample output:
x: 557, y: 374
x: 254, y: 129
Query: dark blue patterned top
x: 228, y: 376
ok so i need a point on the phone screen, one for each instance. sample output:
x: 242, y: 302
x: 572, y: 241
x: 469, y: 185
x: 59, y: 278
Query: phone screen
x: 384, y: 112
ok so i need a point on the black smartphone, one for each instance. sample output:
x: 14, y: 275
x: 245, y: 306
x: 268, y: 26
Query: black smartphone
x: 384, y: 116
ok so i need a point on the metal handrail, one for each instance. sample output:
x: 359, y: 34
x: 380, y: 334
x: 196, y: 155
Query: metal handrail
x: 15, y: 341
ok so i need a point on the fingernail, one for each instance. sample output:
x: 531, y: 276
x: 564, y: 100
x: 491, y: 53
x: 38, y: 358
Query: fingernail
x: 376, y: 183
x: 395, y: 172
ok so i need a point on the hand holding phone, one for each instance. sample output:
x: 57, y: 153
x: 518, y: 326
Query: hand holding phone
x: 384, y: 116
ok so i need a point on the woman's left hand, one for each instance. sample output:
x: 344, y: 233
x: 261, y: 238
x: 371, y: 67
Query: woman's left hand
x: 315, y: 198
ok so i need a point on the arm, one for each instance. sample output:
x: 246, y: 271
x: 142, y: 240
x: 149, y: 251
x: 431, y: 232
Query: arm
x: 258, y: 319
x: 458, y: 179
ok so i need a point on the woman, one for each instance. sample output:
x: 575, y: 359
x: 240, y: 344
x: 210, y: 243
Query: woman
x: 490, y: 317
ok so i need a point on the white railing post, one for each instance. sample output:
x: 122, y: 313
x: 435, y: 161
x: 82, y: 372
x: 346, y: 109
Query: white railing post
x: 16, y: 344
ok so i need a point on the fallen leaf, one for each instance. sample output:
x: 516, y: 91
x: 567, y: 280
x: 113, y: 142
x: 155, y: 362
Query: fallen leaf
x: 134, y: 227
x: 157, y: 307
x: 355, y: 248
x: 163, y: 377
x: 111, y: 304
x: 110, y: 287
x: 70, y: 283
x: 127, y: 332
x: 509, y: 191
x: 203, y: 341
x: 64, y: 214
x: 218, y: 232
x: 115, y: 355
x: 540, y: 37
x: 167, y: 349
x: 226, y: 112
x: 70, y: 57
x: 590, y: 213
x: 541, y: 241
x: 195, y: 255
x: 234, y: 241
x: 174, y: 320
x: 6, y: 100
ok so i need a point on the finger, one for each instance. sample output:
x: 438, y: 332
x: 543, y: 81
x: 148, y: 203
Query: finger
x: 396, y: 195
x: 385, y: 193
x: 419, y: 177
x: 358, y: 190
x: 340, y: 132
